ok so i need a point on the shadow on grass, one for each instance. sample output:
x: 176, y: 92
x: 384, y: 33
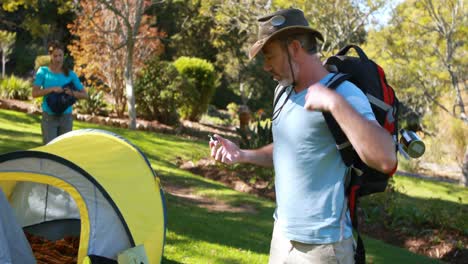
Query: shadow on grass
x: 415, y: 214
x: 397, y: 219
x: 15, y: 140
x: 168, y: 261
x: 19, y: 117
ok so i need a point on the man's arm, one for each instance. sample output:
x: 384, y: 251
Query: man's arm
x: 373, y: 144
x: 227, y: 152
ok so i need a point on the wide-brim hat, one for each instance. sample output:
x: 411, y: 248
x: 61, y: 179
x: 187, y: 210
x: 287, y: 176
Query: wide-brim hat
x: 287, y: 21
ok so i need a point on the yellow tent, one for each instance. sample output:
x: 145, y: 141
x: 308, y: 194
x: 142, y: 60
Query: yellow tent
x: 96, y: 179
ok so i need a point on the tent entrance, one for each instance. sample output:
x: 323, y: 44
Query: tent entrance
x: 47, y: 206
x: 75, y: 205
x: 56, y: 229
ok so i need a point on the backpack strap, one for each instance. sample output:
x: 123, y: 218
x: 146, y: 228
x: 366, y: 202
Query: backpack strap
x: 359, y: 51
x: 279, y: 91
x: 342, y: 143
x: 348, y: 155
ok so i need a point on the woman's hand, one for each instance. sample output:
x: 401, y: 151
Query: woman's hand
x: 69, y: 91
x: 55, y: 89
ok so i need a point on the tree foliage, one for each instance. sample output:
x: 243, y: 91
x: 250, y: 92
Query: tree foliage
x: 340, y: 21
x: 424, y: 51
x: 189, y: 31
x: 113, y: 40
x: 43, y: 19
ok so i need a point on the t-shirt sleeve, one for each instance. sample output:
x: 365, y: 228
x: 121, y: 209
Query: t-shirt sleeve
x: 40, y: 76
x: 357, y: 99
x: 76, y: 81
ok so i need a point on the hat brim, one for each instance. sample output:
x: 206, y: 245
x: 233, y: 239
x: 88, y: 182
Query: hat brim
x: 257, y: 46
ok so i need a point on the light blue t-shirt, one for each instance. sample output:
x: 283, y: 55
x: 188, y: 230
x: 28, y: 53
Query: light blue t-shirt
x: 46, y: 79
x: 309, y: 171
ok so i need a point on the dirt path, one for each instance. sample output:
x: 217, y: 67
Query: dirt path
x: 186, y: 196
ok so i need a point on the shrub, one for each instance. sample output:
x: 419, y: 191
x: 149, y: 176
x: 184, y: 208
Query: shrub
x: 15, y: 88
x: 43, y: 60
x: 159, y: 91
x: 257, y: 135
x: 38, y: 102
x: 233, y: 109
x: 94, y: 105
x: 201, y: 84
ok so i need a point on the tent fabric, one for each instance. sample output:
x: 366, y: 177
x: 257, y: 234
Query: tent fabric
x: 43, y: 203
x: 14, y: 247
x: 95, y: 176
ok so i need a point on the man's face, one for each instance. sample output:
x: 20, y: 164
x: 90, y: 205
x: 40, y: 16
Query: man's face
x: 276, y: 62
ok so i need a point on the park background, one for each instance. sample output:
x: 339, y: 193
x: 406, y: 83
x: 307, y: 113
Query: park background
x: 180, y: 67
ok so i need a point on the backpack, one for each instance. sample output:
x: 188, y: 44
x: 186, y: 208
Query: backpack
x: 59, y: 102
x: 370, y: 78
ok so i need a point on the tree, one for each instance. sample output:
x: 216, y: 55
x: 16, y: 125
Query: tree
x: 189, y: 31
x: 43, y: 18
x: 340, y: 21
x: 115, y: 38
x: 424, y: 51
x: 449, y: 20
x: 7, y: 39
x: 234, y: 31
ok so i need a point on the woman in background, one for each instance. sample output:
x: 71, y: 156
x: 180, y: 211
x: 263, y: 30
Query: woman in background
x: 50, y: 80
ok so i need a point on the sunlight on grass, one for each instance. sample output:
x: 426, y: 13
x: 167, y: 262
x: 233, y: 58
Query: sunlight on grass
x: 427, y: 189
x: 196, y: 251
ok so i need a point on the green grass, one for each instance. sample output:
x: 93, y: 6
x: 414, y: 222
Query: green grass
x: 195, y: 234
x: 419, y: 188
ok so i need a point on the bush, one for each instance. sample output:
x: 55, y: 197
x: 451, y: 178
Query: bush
x: 159, y: 91
x: 258, y: 134
x: 201, y: 84
x: 233, y: 109
x: 15, y: 88
x: 37, y: 102
x: 95, y: 103
x: 43, y: 60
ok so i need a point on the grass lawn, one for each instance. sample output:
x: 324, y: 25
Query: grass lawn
x: 195, y: 234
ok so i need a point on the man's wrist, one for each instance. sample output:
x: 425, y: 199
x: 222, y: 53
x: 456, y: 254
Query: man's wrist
x: 335, y: 100
x: 243, y: 156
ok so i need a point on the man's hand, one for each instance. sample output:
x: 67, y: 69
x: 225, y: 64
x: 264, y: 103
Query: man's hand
x: 320, y: 98
x: 224, y: 150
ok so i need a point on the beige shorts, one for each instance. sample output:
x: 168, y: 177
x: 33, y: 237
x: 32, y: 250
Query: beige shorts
x: 285, y: 251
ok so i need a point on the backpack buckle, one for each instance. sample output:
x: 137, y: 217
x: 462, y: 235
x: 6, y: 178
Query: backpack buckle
x: 343, y: 145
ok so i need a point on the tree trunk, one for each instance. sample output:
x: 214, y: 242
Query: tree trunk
x: 129, y: 84
x: 459, y: 98
x: 464, y: 176
x: 3, y: 64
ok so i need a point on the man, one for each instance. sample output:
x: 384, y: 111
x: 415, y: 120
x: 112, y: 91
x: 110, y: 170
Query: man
x: 312, y: 223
